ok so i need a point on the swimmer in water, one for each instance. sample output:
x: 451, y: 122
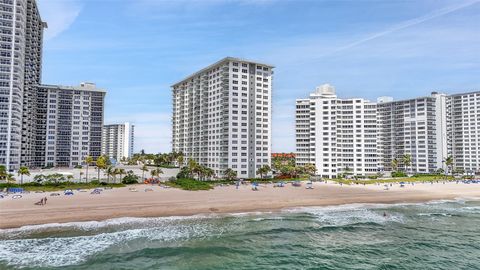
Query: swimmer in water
x: 384, y: 214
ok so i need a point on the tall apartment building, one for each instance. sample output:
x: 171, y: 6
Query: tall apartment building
x: 118, y: 140
x: 337, y: 135
x: 21, y: 30
x: 222, y: 116
x: 70, y: 124
x: 463, y: 126
x: 415, y: 127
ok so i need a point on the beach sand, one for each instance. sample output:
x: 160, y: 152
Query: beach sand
x: 120, y: 202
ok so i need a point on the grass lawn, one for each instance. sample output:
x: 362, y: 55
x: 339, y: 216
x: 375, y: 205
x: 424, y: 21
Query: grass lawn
x: 60, y: 186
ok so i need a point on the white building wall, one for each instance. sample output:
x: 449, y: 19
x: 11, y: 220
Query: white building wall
x: 222, y: 116
x: 337, y: 135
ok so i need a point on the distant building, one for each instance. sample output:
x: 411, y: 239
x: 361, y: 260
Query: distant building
x: 222, y: 116
x: 118, y: 141
x: 70, y: 124
x: 336, y: 135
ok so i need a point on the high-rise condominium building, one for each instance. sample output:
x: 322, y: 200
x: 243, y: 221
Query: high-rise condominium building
x: 222, y: 116
x: 463, y: 125
x: 337, y: 135
x: 414, y: 127
x: 117, y: 141
x: 73, y: 118
x: 21, y: 30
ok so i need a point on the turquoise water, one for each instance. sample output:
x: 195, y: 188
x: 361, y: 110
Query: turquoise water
x: 437, y: 235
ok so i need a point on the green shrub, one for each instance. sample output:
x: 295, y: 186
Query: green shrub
x: 130, y: 179
x: 184, y: 173
x: 399, y: 174
x: 189, y: 184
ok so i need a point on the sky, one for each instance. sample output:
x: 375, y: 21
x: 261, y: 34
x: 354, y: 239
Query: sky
x: 136, y: 49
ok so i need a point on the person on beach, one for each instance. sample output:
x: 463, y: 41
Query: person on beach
x: 45, y: 200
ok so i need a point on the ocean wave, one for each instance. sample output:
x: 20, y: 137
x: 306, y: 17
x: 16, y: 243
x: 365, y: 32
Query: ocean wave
x: 114, y: 223
x: 62, y: 251
x: 349, y: 214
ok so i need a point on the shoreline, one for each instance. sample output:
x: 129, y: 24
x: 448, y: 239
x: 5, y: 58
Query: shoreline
x: 121, y: 203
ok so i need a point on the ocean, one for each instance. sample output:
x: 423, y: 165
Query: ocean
x: 435, y: 235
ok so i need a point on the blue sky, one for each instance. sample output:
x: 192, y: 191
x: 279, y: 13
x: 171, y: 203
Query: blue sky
x: 366, y: 48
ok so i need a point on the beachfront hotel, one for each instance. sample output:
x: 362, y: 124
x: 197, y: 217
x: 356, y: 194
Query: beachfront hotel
x: 222, y: 116
x: 70, y: 122
x: 365, y: 137
x: 20, y: 65
x: 463, y: 127
x: 414, y: 127
x: 118, y: 140
x: 336, y: 135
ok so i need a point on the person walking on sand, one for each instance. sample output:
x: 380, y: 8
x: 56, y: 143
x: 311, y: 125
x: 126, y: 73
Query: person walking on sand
x: 45, y: 200
x: 41, y: 201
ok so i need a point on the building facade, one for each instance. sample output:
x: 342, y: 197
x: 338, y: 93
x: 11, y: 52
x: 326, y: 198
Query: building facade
x: 222, y: 116
x: 414, y: 127
x: 463, y: 127
x: 338, y: 136
x: 118, y: 140
x: 21, y: 30
x: 73, y: 118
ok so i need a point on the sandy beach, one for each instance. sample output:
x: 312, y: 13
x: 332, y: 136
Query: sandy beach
x: 83, y: 206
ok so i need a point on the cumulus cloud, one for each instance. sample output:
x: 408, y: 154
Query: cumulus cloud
x: 59, y: 15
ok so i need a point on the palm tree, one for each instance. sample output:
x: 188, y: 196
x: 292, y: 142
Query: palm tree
x: 230, y: 174
x: 121, y: 172
x: 395, y: 164
x: 407, y: 161
x: 3, y: 172
x: 449, y: 163
x: 156, y: 172
x: 192, y: 167
x: 180, y: 159
x: 10, y: 178
x: 88, y: 160
x: 23, y: 171
x: 110, y: 171
x: 144, y: 169
x: 101, y: 164
x: 263, y: 170
x: 209, y: 173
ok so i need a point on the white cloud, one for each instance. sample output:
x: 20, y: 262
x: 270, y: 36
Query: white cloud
x: 59, y: 15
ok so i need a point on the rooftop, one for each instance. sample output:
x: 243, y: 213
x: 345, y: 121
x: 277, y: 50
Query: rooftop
x: 226, y: 59
x: 84, y: 86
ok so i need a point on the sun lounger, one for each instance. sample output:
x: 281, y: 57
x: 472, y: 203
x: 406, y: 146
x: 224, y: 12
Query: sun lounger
x: 16, y: 197
x: 54, y: 194
x: 148, y: 189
